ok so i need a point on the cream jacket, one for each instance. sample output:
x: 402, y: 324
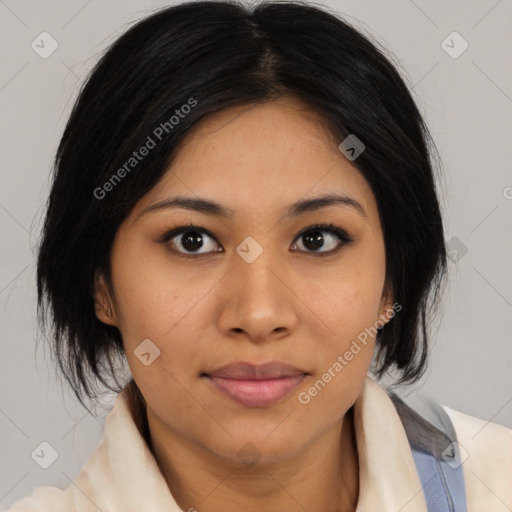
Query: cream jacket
x: 122, y: 474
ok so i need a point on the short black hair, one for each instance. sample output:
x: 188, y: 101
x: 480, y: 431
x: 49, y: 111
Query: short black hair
x: 211, y: 55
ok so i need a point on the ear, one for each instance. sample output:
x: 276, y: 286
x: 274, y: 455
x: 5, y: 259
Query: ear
x: 386, y: 309
x: 102, y: 301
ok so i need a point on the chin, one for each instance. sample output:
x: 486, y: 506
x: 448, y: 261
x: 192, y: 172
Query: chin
x: 246, y: 451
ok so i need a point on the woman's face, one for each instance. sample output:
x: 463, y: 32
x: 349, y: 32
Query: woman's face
x: 251, y: 288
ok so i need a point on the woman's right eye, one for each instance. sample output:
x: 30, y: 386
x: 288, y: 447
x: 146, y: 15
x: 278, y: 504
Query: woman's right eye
x: 190, y: 238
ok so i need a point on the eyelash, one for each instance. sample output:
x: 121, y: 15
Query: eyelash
x: 344, y: 237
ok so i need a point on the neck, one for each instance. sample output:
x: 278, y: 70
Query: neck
x: 323, y: 477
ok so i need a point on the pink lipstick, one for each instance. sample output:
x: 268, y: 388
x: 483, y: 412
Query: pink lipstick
x: 256, y: 385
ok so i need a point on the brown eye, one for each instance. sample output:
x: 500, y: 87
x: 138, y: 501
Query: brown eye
x: 190, y: 241
x: 322, y: 239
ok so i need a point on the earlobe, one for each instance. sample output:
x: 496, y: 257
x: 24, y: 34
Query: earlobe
x: 387, y: 311
x: 102, y: 302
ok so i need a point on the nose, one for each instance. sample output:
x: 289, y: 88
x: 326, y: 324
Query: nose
x: 258, y: 302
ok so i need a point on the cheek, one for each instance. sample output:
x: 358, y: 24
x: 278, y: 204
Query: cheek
x: 350, y: 301
x: 152, y: 296
x: 157, y: 304
x: 344, y: 355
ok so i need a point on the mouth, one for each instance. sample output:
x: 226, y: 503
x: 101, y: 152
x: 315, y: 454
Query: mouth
x: 256, y: 385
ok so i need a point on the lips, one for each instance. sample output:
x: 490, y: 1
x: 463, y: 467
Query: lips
x: 256, y: 385
x: 242, y: 370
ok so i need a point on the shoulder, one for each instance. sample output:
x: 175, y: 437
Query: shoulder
x: 42, y: 499
x: 486, y: 455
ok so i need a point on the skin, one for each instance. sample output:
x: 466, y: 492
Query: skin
x: 287, y: 305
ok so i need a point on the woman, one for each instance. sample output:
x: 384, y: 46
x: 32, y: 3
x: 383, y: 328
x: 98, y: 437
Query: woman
x: 244, y: 207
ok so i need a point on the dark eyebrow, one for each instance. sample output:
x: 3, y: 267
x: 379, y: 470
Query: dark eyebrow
x: 200, y: 205
x: 315, y: 203
x: 209, y: 207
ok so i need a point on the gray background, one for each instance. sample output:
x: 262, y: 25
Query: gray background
x: 467, y: 104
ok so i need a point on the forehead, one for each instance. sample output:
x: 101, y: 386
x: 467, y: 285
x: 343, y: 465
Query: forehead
x: 259, y: 158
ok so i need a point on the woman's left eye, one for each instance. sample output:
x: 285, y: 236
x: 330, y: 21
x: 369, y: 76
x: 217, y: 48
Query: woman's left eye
x: 194, y: 238
x: 313, y: 239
